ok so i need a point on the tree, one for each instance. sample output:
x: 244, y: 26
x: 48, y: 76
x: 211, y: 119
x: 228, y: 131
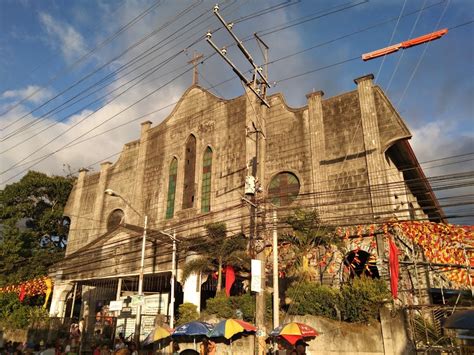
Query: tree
x: 216, y: 251
x: 306, y: 236
x: 34, y: 232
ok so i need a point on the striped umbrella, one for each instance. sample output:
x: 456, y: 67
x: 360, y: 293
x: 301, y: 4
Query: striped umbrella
x: 157, y: 334
x: 292, y: 332
x: 227, y: 328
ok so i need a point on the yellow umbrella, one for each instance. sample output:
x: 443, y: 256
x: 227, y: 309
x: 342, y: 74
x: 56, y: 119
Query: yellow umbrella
x: 157, y: 334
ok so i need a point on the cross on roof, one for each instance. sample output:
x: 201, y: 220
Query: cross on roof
x: 195, y: 62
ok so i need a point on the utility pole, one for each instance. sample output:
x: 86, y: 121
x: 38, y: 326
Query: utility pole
x: 173, y: 275
x: 258, y: 86
x: 276, y: 289
x: 257, y: 70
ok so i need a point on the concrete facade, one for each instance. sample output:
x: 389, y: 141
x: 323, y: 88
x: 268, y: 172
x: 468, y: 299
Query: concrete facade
x: 349, y: 154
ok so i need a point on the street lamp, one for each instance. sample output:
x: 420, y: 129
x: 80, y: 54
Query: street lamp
x: 112, y: 193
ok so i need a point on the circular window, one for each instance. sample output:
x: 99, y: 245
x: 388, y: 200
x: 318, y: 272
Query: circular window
x: 114, y: 220
x: 283, y: 189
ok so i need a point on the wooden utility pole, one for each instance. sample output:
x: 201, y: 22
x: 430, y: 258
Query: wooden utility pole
x: 255, y: 113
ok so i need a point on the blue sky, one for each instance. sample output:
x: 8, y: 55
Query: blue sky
x: 41, y: 41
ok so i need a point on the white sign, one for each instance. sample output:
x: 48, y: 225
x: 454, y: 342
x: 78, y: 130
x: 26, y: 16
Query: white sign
x: 256, y: 280
x: 137, y: 300
x: 116, y: 305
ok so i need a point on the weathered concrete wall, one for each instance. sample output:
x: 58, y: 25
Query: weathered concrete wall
x: 336, y: 148
x: 351, y: 338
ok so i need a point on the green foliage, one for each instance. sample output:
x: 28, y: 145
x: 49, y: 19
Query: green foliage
x: 221, y: 306
x: 199, y: 265
x: 19, y: 315
x: 362, y: 300
x: 218, y: 250
x: 314, y: 299
x: 187, y: 312
x: 34, y: 235
x: 306, y: 236
x: 226, y: 307
x: 357, y: 302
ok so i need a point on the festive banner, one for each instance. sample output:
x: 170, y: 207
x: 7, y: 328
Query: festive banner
x: 394, y: 267
x: 444, y: 244
x: 34, y: 287
x: 229, y: 279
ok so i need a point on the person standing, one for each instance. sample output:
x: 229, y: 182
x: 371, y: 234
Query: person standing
x: 300, y: 347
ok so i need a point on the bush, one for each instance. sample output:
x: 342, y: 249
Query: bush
x: 362, y: 300
x: 221, y: 306
x: 310, y: 298
x: 13, y: 313
x: 226, y: 307
x: 187, y: 312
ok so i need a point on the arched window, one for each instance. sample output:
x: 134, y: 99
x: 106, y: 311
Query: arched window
x: 359, y: 262
x: 189, y: 172
x: 115, y: 219
x: 283, y: 189
x: 206, y: 181
x: 171, y: 188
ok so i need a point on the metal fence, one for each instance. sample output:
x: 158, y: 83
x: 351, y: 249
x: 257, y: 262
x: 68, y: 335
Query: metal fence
x: 425, y: 325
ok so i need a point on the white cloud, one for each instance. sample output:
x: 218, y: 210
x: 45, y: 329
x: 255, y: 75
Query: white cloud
x: 31, y: 93
x: 71, y: 42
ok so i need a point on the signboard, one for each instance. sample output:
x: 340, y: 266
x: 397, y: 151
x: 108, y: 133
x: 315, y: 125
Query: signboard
x: 151, y: 306
x: 256, y: 279
x: 138, y: 300
x: 116, y: 305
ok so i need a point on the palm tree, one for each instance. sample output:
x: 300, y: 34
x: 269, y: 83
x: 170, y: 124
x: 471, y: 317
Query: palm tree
x: 216, y: 251
x: 306, y: 235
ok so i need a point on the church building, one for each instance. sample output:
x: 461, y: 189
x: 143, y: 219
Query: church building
x: 214, y: 159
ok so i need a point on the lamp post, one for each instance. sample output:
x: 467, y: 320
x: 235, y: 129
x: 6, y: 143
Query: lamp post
x: 173, y: 276
x: 112, y: 193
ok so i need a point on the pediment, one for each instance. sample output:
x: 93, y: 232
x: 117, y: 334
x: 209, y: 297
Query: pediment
x: 123, y: 234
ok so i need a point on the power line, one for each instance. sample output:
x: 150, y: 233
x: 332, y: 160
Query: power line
x: 82, y: 58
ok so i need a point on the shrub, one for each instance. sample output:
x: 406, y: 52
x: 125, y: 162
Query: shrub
x: 13, y: 313
x: 362, y: 300
x: 221, y: 306
x: 226, y: 307
x: 310, y: 298
x: 187, y: 312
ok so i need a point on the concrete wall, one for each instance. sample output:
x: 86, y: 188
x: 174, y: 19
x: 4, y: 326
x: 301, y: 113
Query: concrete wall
x: 351, y: 338
x: 336, y: 147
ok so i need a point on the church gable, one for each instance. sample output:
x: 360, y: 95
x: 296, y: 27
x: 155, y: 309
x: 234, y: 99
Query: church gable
x: 390, y: 124
x: 342, y: 119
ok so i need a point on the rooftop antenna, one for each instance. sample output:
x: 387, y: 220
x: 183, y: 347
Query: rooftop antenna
x: 253, y: 84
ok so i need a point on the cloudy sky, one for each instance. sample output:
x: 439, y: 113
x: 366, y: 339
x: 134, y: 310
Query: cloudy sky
x: 77, y: 77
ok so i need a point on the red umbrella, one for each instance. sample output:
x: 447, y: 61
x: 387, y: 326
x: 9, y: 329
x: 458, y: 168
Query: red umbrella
x: 292, y: 332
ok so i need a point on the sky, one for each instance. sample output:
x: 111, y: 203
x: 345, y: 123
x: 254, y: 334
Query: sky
x: 78, y: 77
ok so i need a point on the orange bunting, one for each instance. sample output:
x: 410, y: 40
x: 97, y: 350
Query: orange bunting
x: 34, y: 287
x: 442, y: 243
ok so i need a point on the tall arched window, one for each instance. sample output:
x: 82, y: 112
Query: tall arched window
x: 189, y: 172
x: 206, y: 181
x: 171, y: 188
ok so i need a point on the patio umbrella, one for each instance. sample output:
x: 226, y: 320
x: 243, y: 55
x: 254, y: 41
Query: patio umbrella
x: 292, y: 332
x: 192, y: 330
x: 227, y: 328
x: 157, y: 334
